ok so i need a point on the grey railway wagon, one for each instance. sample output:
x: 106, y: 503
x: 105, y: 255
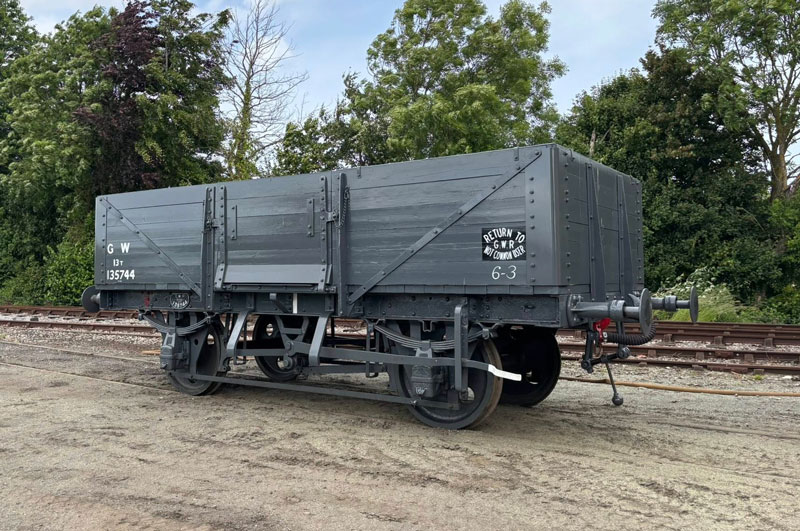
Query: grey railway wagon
x: 460, y: 267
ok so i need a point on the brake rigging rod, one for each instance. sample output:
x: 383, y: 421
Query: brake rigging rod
x: 617, y: 398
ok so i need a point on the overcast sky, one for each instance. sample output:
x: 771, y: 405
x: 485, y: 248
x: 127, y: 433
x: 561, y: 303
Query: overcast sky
x: 596, y: 39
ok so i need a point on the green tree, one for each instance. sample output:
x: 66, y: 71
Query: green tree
x: 16, y: 39
x: 753, y: 47
x: 17, y: 35
x: 308, y: 147
x: 658, y: 126
x: 68, y: 269
x: 110, y: 101
x: 48, y: 154
x: 154, y: 116
x: 182, y: 132
x: 446, y: 79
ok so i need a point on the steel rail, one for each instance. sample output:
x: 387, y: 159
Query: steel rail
x: 718, y: 335
x: 82, y: 326
x: 705, y: 364
x: 650, y: 354
x: 766, y: 335
x: 698, y: 353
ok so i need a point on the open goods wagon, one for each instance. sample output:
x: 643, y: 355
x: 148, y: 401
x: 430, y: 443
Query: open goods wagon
x: 460, y: 268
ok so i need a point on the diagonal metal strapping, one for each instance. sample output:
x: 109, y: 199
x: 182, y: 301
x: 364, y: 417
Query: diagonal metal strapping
x: 152, y: 246
x: 457, y: 214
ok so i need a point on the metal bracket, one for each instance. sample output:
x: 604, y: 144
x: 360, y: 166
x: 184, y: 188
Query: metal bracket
x: 316, y: 342
x: 457, y: 214
x: 273, y: 297
x: 461, y: 325
x: 625, y: 256
x: 312, y: 217
x: 153, y: 247
x: 239, y: 325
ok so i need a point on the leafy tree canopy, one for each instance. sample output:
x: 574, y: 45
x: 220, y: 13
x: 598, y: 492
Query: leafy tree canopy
x: 16, y: 33
x: 445, y: 79
x: 154, y: 114
x: 658, y: 125
x: 752, y: 47
x: 110, y: 101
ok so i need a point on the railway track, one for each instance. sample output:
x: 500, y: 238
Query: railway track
x: 716, y: 355
x: 699, y: 358
x: 82, y: 326
x: 68, y: 311
x: 766, y: 335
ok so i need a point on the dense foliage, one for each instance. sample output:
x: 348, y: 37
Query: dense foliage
x: 124, y: 100
x: 654, y: 124
x: 445, y: 79
x: 753, y: 48
x: 109, y: 102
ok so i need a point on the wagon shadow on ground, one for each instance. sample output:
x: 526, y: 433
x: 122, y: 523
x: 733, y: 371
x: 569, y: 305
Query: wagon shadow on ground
x: 562, y: 415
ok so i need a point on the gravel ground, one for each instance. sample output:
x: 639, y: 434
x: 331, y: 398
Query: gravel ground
x: 97, y: 443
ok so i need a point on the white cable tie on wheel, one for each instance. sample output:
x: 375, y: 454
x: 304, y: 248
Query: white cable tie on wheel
x: 504, y: 374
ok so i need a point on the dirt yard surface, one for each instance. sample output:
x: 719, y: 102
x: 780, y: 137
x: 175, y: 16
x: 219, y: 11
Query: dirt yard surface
x: 89, y: 442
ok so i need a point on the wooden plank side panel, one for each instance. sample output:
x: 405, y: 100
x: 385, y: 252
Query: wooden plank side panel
x: 176, y: 229
x: 384, y: 221
x: 268, y: 239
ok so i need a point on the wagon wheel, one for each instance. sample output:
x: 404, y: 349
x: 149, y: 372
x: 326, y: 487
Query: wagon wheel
x: 481, y: 400
x: 535, y: 355
x: 267, y: 335
x: 207, y: 364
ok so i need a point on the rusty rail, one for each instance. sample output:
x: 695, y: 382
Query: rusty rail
x: 717, y: 355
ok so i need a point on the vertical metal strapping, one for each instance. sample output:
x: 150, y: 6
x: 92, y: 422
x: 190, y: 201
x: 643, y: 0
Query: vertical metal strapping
x: 323, y: 228
x: 597, y: 271
x: 640, y: 236
x: 312, y: 216
x: 221, y: 202
x: 539, y: 226
x: 530, y: 219
x: 234, y: 222
x: 624, y: 240
x: 101, y: 227
x: 340, y: 246
x: 207, y: 254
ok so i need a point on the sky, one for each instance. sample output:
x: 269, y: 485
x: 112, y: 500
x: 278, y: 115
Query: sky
x: 596, y: 39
